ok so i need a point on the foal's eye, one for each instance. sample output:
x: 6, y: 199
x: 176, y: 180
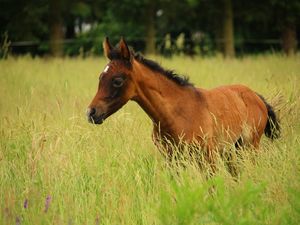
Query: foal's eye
x: 117, y: 82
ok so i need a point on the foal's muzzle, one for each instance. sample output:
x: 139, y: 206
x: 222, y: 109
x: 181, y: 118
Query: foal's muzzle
x: 94, y: 117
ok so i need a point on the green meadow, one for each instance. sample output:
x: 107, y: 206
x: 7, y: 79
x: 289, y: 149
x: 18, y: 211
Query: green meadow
x: 56, y: 168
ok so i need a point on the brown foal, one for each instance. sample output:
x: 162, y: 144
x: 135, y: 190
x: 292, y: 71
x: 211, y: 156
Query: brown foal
x: 181, y: 113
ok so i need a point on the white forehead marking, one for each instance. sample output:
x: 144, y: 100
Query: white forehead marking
x: 106, y: 68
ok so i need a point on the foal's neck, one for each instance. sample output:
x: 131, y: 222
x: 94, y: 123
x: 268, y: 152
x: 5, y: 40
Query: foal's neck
x: 159, y: 96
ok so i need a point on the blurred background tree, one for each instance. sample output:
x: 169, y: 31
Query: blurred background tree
x: 191, y: 27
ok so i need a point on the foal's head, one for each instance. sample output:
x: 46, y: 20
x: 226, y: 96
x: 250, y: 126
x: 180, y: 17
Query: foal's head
x: 116, y: 86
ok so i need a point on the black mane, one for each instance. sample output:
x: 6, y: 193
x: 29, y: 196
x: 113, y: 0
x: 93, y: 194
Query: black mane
x: 170, y: 74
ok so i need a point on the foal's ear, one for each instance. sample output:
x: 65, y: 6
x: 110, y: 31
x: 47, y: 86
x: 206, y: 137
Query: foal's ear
x: 123, y: 47
x: 107, y: 47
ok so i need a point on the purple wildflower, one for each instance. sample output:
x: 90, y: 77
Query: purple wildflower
x: 47, y: 203
x: 26, y: 203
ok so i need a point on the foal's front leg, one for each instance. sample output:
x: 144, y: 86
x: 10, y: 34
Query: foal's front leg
x: 161, y: 143
x: 211, y: 155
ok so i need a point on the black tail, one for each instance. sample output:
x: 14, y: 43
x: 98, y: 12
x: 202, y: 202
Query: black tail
x: 272, y: 129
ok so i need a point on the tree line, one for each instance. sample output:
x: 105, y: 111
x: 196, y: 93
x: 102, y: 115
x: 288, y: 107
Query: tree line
x: 71, y: 27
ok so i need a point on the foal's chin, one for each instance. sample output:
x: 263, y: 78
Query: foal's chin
x: 97, y: 120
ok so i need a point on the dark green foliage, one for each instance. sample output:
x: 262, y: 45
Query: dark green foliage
x: 258, y: 25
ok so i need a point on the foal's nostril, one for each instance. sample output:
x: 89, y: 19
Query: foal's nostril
x: 91, y: 112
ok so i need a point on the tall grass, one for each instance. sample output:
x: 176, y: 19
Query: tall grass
x: 55, y: 168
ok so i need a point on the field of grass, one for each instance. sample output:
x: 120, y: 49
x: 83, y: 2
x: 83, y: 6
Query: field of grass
x: 55, y: 168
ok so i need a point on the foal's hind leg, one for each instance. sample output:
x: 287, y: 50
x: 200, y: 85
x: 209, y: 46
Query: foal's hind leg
x: 248, y: 140
x: 254, y: 140
x: 256, y: 136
